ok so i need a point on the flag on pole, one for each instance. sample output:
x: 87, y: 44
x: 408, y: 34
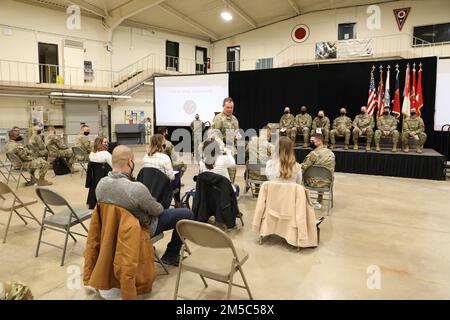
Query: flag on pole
x: 372, y: 99
x: 396, y: 108
x: 387, y: 94
x: 380, y: 102
x: 406, y: 101
x: 413, y: 88
x: 419, y: 100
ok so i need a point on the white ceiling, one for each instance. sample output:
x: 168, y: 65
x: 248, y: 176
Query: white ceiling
x: 201, y: 18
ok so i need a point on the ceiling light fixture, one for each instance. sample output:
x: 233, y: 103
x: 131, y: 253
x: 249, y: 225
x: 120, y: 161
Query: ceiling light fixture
x: 226, y: 16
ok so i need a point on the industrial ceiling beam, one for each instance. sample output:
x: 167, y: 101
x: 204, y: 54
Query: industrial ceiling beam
x: 294, y: 6
x: 241, y: 13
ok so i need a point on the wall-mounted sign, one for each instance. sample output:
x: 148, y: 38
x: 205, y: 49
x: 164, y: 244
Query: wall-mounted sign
x: 400, y: 16
x: 300, y: 33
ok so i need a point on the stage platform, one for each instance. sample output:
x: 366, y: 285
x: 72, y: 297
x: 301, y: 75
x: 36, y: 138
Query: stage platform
x: 428, y: 165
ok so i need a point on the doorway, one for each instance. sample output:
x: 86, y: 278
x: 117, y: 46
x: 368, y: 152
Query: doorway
x: 201, y: 60
x: 48, y: 62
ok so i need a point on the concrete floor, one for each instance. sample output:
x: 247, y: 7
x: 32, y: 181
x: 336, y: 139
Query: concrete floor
x: 401, y: 226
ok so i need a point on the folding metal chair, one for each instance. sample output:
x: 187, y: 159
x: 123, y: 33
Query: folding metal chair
x: 12, y: 203
x: 62, y: 221
x: 216, y: 258
x: 320, y: 172
x: 5, y: 165
x: 13, y: 158
x: 80, y: 158
x: 254, y: 184
x: 155, y: 239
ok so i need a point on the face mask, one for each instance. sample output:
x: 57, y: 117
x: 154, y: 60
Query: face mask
x: 413, y: 114
x: 39, y: 131
x: 19, y: 138
x: 303, y: 112
x: 320, y: 117
x: 363, y: 112
x: 286, y: 112
x: 86, y: 133
x: 312, y: 145
x: 343, y: 113
x: 386, y: 113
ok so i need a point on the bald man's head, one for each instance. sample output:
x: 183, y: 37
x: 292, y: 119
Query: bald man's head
x: 123, y: 159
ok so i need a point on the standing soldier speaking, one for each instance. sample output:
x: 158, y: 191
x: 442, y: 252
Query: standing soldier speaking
x: 228, y: 125
x: 197, y: 127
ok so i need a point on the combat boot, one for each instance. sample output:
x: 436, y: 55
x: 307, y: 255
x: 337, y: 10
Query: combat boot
x: 32, y: 181
x: 368, y: 147
x: 377, y: 147
x: 346, y: 147
x: 332, y: 146
x: 406, y: 148
x: 42, y: 182
x: 394, y: 148
x: 305, y: 145
x: 355, y: 146
x: 419, y: 149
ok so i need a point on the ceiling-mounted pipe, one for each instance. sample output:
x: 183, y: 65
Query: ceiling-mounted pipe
x: 75, y: 95
x: 22, y: 95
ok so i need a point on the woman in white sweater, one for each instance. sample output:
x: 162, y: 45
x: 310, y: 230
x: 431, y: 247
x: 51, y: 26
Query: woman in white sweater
x: 156, y: 158
x: 100, y: 153
x: 285, y: 167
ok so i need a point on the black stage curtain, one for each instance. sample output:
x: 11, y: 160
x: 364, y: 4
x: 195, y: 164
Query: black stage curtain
x: 386, y: 164
x: 261, y: 95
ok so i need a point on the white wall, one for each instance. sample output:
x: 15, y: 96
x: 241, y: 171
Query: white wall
x: 271, y: 40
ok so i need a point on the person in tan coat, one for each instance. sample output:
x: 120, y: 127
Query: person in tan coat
x: 119, y: 253
x: 285, y: 209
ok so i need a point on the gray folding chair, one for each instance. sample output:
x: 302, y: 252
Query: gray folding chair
x: 216, y: 258
x: 5, y: 165
x: 80, y: 158
x: 14, y: 158
x: 320, y: 172
x: 155, y: 239
x: 254, y: 184
x: 9, y: 201
x: 62, y: 221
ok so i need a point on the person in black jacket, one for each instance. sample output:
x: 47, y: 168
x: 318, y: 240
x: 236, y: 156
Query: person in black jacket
x: 215, y: 196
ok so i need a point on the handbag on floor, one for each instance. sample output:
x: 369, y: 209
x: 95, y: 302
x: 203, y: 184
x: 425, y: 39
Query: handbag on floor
x: 60, y: 166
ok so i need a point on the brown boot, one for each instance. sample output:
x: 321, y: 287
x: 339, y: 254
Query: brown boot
x: 394, y: 148
x: 305, y: 145
x: 346, y: 147
x: 377, y: 147
x: 332, y: 147
x: 406, y: 149
x: 42, y: 182
x: 355, y: 146
x: 368, y: 147
x: 32, y: 181
x: 419, y: 149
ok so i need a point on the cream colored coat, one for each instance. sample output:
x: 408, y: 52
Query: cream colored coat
x: 285, y: 209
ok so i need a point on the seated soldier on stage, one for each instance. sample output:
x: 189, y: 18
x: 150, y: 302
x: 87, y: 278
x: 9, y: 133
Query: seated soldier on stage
x: 303, y: 122
x: 414, y: 126
x: 363, y: 125
x: 387, y: 127
x: 29, y: 163
x: 37, y: 144
x: 57, y: 148
x: 321, y: 124
x: 83, y: 141
x: 319, y: 156
x: 258, y: 151
x: 342, y: 126
x: 287, y: 126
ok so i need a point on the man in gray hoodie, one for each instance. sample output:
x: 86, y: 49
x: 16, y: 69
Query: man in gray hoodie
x: 120, y: 188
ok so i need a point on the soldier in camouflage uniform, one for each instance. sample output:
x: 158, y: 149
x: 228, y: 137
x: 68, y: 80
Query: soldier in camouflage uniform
x: 303, y: 122
x: 387, y: 127
x: 15, y: 290
x: 37, y: 144
x: 228, y: 125
x: 414, y: 126
x: 323, y: 123
x: 57, y: 148
x: 363, y: 124
x: 342, y: 126
x: 258, y: 151
x: 319, y: 156
x: 83, y: 142
x: 29, y: 163
x: 197, y: 127
x: 287, y: 125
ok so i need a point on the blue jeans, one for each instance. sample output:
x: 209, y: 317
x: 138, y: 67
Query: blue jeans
x: 167, y: 221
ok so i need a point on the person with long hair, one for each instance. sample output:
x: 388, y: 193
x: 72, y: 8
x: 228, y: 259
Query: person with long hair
x: 156, y: 158
x: 285, y: 167
x: 100, y: 153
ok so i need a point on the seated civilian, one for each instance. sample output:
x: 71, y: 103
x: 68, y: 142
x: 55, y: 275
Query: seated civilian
x: 217, y: 160
x: 284, y: 168
x: 121, y: 189
x: 101, y: 153
x: 156, y: 158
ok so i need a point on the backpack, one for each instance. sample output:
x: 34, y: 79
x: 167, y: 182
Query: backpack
x: 60, y: 166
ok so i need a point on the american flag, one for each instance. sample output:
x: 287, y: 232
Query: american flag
x: 372, y: 100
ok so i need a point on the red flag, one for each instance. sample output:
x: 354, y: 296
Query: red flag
x: 419, y: 102
x: 396, y: 108
x: 413, y: 88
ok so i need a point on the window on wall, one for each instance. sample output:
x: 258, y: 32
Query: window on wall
x: 346, y: 31
x: 172, y: 55
x: 233, y: 58
x: 264, y: 63
x: 436, y: 33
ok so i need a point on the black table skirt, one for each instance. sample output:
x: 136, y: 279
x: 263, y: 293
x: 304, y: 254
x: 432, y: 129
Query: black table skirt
x: 429, y: 165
